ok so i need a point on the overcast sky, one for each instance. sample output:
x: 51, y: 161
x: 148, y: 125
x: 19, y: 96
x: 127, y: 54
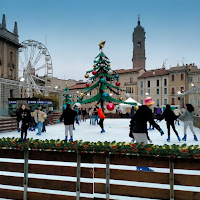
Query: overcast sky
x: 74, y: 29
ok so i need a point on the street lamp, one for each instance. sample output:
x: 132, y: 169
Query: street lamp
x: 146, y: 93
x: 56, y: 87
x: 22, y: 79
x: 192, y: 84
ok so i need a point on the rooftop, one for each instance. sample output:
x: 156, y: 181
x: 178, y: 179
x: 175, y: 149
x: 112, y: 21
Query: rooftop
x: 78, y: 86
x: 123, y: 71
x: 155, y: 72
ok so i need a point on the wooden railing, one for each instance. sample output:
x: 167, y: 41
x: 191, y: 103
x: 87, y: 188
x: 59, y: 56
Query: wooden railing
x: 71, y: 176
x: 8, y: 124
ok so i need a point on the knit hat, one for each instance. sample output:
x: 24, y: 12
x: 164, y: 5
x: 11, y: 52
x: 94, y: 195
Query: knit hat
x: 148, y: 101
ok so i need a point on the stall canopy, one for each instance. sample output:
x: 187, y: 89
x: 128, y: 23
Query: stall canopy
x: 129, y: 100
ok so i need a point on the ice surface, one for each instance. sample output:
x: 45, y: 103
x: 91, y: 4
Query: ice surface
x: 116, y: 129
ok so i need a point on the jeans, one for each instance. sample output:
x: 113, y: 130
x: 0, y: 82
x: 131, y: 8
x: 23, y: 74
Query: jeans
x: 92, y: 120
x: 39, y: 126
x: 96, y: 119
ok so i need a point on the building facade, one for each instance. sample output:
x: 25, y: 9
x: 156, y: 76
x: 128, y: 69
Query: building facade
x: 154, y: 83
x: 182, y: 79
x: 9, y: 45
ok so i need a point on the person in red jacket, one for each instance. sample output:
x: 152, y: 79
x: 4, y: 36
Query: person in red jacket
x: 102, y: 117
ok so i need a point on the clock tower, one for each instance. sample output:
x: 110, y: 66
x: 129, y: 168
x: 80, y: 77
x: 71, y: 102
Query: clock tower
x: 138, y: 46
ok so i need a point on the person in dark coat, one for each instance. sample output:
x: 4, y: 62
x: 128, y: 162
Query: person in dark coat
x: 138, y: 124
x: 132, y: 112
x: 84, y: 113
x: 69, y: 116
x: 169, y: 117
x: 25, y: 117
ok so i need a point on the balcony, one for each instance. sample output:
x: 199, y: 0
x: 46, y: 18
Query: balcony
x: 130, y: 83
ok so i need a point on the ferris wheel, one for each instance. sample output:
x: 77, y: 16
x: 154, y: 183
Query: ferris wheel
x: 35, y: 65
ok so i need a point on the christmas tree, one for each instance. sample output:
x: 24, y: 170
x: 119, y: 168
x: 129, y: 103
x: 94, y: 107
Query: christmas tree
x: 67, y: 97
x: 102, y: 79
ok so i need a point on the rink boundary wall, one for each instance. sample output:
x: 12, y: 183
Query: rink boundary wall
x: 84, y: 189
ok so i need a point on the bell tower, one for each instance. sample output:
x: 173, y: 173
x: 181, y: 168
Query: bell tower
x: 139, y: 58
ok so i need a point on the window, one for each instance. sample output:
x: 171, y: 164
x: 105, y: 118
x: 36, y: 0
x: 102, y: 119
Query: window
x: 157, y: 102
x: 198, y: 78
x: 157, y: 83
x: 190, y: 79
x: 165, y: 82
x: 11, y: 93
x: 165, y: 101
x: 182, y: 89
x: 165, y: 90
x: 132, y: 90
x: 11, y: 73
x: 158, y: 91
x: 173, y: 91
x: 198, y: 102
x: 11, y: 55
x: 148, y: 84
x: 172, y: 77
x: 141, y: 84
x: 149, y: 91
x: 141, y: 92
x: 173, y: 101
x: 131, y: 79
x: 128, y: 90
x: 141, y: 101
x: 182, y: 76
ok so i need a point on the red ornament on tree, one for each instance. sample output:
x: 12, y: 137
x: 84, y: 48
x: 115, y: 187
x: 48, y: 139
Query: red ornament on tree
x: 94, y: 72
x: 87, y: 85
x: 110, y: 106
x: 117, y: 83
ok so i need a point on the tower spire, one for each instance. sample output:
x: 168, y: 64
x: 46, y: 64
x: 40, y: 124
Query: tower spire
x: 4, y: 21
x: 138, y: 19
x: 15, y: 29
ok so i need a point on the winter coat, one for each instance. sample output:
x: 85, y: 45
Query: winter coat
x: 84, y: 112
x: 138, y: 123
x: 187, y: 116
x: 100, y: 113
x: 158, y: 111
x: 69, y: 116
x: 132, y: 112
x: 41, y: 116
x: 168, y: 115
x: 24, y: 116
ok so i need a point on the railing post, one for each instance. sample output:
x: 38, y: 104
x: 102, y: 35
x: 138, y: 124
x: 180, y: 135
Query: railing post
x: 171, y: 178
x: 107, y: 176
x: 25, y: 172
x: 78, y: 175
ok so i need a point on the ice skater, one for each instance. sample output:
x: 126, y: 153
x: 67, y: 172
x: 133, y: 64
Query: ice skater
x: 102, y: 117
x: 177, y: 112
x: 169, y: 117
x: 138, y: 124
x: 69, y: 116
x: 39, y: 117
x: 25, y: 118
x: 188, y: 117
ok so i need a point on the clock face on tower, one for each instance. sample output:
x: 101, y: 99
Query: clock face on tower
x: 139, y: 45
